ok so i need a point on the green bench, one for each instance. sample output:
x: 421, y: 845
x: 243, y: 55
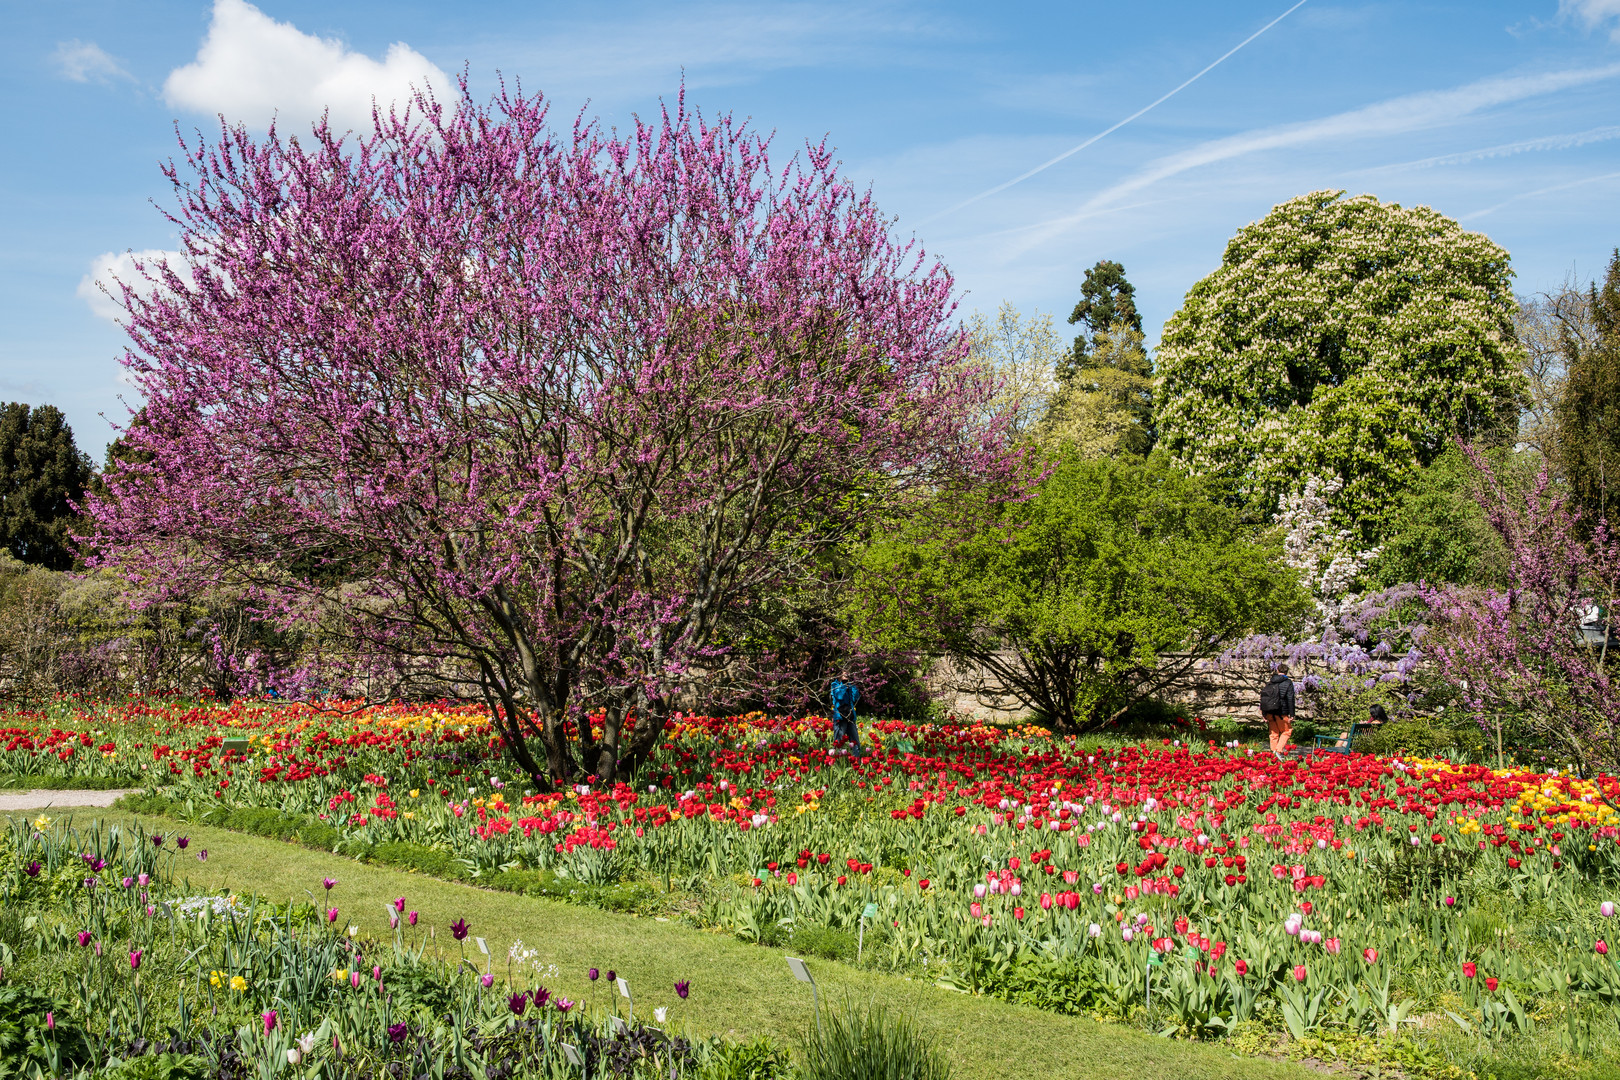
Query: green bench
x: 1329, y: 744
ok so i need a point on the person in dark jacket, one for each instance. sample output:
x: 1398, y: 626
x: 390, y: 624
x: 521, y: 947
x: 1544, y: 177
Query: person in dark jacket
x: 1277, y: 706
x: 844, y: 696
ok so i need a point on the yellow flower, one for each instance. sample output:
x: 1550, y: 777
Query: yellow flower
x: 408, y: 815
x: 42, y: 823
x: 238, y: 983
x: 1349, y: 854
x: 415, y: 792
x: 214, y: 978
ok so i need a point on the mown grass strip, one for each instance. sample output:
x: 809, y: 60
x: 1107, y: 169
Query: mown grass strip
x: 738, y: 989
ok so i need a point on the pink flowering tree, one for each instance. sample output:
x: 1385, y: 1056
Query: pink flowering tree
x: 1519, y: 651
x: 537, y: 413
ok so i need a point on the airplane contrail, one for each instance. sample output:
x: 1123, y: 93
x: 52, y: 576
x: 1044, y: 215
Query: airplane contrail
x: 1109, y: 131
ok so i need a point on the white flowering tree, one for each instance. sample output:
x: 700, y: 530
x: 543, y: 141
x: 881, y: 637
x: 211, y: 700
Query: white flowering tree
x: 1327, y: 558
x: 1341, y: 338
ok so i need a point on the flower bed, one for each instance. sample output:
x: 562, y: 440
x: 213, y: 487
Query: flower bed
x: 107, y: 969
x: 1190, y: 887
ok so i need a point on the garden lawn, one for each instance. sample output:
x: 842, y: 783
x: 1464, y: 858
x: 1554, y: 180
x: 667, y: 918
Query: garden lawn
x: 738, y: 989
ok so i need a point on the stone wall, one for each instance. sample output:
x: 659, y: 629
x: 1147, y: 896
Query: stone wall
x: 971, y: 693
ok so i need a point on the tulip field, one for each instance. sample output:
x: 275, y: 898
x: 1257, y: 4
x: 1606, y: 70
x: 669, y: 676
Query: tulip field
x: 1197, y: 889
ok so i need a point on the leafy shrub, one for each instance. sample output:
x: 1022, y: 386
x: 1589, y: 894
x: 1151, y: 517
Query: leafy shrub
x: 164, y: 1066
x: 744, y: 1061
x: 1422, y: 737
x: 825, y: 942
x: 403, y: 855
x: 870, y: 1043
x: 37, y: 1037
x: 1057, y: 985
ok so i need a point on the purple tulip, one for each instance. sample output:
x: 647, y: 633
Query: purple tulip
x: 593, y: 974
x: 487, y: 979
x: 399, y: 903
x: 682, y: 988
x: 328, y: 882
x: 540, y: 995
x: 331, y: 915
x: 181, y: 842
x: 517, y: 1003
x: 397, y: 1032
x: 458, y: 929
x: 269, y: 1018
x: 202, y: 856
x: 135, y: 959
x: 612, y: 975
x: 411, y: 918
x: 33, y: 869
x: 157, y: 841
x: 129, y: 883
x: 563, y: 1005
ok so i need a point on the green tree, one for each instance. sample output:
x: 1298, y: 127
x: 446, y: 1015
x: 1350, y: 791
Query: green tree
x: 1342, y: 339
x: 1113, y: 579
x: 1103, y: 403
x: 1439, y: 533
x: 42, y: 476
x: 1587, y: 417
x: 1107, y: 300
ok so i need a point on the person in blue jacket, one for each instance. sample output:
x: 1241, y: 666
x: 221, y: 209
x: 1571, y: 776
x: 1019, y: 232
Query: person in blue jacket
x: 844, y: 696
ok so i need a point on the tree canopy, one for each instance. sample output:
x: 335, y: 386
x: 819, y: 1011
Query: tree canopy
x: 1587, y: 414
x: 1111, y: 580
x: 42, y: 476
x: 1344, y: 339
x: 555, y: 407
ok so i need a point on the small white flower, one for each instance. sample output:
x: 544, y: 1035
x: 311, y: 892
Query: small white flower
x: 660, y: 1013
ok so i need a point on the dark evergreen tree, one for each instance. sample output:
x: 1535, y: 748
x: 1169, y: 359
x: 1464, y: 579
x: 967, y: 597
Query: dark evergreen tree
x: 1107, y: 300
x: 1588, y: 413
x: 42, y: 476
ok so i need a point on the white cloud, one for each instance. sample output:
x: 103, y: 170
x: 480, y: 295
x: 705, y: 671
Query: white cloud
x: 99, y: 288
x: 251, y: 68
x: 83, y: 61
x: 1411, y: 112
x: 1592, y: 12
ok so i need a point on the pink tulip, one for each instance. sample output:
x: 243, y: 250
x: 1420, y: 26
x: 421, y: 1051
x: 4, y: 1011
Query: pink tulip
x: 1299, y: 972
x: 1607, y: 909
x: 1370, y: 955
x: 134, y: 959
x: 269, y: 1018
x: 1332, y: 946
x: 1602, y: 947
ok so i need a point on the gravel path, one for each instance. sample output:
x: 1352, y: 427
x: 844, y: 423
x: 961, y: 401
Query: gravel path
x: 42, y: 799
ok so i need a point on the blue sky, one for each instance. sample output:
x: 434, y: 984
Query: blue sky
x: 1504, y: 115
